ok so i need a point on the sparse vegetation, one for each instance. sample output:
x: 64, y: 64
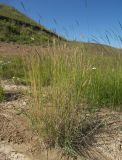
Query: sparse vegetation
x: 66, y: 86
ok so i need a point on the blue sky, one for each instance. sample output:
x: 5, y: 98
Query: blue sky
x: 76, y: 19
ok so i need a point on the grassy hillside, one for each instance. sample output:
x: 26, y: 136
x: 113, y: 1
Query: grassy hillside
x: 14, y: 14
x: 16, y: 27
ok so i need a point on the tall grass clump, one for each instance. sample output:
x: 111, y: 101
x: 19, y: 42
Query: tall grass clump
x: 65, y: 84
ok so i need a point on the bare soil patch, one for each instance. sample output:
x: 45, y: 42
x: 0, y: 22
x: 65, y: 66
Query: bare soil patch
x: 19, y: 49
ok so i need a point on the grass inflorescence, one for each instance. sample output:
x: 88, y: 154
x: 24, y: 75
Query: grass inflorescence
x: 66, y: 85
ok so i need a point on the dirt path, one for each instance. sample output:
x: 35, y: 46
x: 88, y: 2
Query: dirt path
x: 18, y: 142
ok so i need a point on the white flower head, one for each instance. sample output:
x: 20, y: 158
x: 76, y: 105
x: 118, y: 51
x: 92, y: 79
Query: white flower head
x: 32, y: 38
x: 8, y: 62
x: 94, y: 68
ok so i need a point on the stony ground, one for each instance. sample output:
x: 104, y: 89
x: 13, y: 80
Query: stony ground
x: 19, y: 142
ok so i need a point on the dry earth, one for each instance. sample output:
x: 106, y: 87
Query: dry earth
x: 20, y: 49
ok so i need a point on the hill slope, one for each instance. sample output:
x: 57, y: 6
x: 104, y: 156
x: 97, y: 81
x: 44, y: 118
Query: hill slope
x: 16, y: 27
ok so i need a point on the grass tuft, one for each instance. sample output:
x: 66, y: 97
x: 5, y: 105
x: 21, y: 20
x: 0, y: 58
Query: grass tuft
x: 66, y: 86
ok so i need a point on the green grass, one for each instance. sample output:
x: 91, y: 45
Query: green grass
x: 92, y: 79
x: 12, y: 13
x: 10, y: 32
x: 12, y: 68
x: 66, y: 85
x: 13, y: 28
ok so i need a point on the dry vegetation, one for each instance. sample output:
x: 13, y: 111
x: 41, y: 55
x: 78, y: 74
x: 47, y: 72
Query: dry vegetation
x: 69, y: 88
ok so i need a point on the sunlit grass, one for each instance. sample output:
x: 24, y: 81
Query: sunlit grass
x: 65, y: 85
x: 68, y: 84
x: 89, y: 78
